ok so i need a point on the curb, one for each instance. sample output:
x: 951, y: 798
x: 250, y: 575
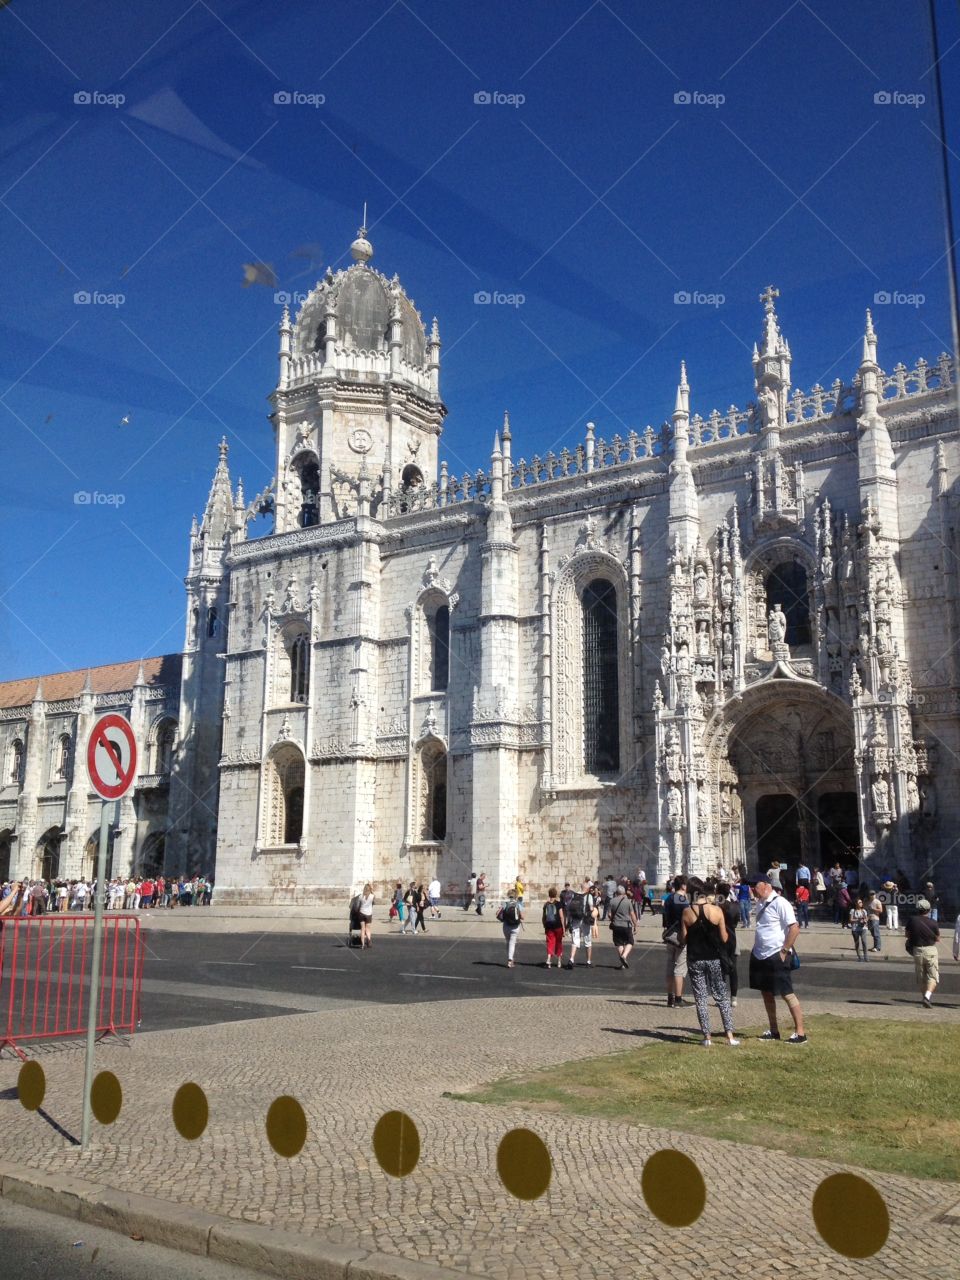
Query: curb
x: 274, y: 1251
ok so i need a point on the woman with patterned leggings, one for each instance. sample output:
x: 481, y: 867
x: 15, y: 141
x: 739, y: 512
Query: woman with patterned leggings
x: 703, y: 931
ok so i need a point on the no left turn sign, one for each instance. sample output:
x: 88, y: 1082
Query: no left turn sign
x: 112, y: 756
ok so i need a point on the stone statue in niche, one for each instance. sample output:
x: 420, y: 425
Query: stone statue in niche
x: 913, y: 795
x: 700, y: 584
x: 726, y: 586
x: 880, y: 795
x: 703, y: 640
x: 776, y: 626
x: 769, y: 407
x: 674, y: 808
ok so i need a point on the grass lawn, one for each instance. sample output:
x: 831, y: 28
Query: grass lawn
x: 881, y: 1095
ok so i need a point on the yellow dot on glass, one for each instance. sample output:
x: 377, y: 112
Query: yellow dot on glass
x: 850, y: 1215
x: 190, y: 1111
x: 31, y: 1086
x: 106, y: 1097
x: 673, y: 1188
x: 523, y: 1163
x: 286, y: 1127
x: 396, y: 1144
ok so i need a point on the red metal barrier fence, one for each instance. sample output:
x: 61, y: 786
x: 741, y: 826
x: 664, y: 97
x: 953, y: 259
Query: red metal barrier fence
x: 45, y: 977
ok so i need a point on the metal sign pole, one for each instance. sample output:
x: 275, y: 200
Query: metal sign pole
x: 108, y: 810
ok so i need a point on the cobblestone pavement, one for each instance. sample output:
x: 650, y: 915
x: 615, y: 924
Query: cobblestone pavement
x: 347, y: 1067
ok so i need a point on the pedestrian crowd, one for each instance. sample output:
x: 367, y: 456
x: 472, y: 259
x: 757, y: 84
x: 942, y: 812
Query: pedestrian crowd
x: 38, y: 897
x: 700, y: 922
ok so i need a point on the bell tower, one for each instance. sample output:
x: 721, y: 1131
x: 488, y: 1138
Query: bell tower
x: 357, y: 404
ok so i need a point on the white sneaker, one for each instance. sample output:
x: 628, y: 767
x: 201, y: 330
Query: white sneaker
x: 734, y: 1044
x: 733, y: 1003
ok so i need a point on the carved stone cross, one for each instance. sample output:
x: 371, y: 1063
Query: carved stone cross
x: 768, y: 295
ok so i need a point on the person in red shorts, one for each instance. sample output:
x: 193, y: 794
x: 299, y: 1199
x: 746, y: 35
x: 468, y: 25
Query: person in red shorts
x: 553, y: 927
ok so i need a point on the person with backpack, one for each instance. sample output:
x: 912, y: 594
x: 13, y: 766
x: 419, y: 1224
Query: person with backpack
x: 581, y: 914
x: 553, y: 927
x: 510, y: 916
x: 481, y: 892
x: 623, y: 921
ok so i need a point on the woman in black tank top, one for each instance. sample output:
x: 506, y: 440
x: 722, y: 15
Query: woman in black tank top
x: 703, y: 930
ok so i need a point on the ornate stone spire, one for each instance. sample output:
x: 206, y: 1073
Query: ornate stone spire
x: 771, y: 372
x: 218, y: 514
x: 681, y: 417
x: 684, y: 517
x: 506, y: 435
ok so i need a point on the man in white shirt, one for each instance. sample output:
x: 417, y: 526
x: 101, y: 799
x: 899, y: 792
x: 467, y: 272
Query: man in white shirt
x: 433, y: 893
x: 777, y: 931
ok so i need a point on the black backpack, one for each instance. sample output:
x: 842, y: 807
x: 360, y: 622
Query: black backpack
x: 511, y: 913
x: 578, y: 910
x: 551, y: 914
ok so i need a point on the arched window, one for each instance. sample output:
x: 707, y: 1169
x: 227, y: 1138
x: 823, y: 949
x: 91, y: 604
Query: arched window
x: 293, y: 818
x: 438, y: 625
x: 433, y: 765
x: 194, y: 626
x: 601, y: 696
x: 786, y: 585
x: 16, y: 761
x: 213, y: 621
x: 62, y: 757
x: 300, y: 669
x: 283, y: 797
x: 166, y: 737
x: 309, y: 495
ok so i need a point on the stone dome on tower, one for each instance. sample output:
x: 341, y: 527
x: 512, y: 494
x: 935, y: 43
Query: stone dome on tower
x: 363, y: 312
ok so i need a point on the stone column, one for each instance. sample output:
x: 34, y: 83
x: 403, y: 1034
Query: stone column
x: 494, y: 729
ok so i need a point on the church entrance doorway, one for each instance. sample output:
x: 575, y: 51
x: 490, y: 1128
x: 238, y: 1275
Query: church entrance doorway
x: 790, y: 751
x: 778, y: 831
x: 839, y: 829
x: 48, y: 854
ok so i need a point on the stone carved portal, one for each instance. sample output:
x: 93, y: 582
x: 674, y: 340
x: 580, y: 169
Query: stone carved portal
x: 790, y: 749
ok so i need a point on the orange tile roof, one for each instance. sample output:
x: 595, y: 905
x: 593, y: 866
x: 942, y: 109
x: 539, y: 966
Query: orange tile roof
x: 116, y: 677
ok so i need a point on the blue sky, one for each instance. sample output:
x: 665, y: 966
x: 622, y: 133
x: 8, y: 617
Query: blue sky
x: 586, y: 187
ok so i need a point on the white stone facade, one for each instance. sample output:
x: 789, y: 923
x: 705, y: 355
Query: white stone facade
x: 733, y: 638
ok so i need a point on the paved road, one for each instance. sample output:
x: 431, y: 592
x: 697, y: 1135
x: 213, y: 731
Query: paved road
x: 43, y: 1246
x: 196, y: 979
